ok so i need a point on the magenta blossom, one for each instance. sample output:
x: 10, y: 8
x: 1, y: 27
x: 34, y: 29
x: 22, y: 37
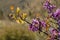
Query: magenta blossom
x: 49, y: 6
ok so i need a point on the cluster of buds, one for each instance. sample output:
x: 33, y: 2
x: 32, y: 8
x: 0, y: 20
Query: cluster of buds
x: 17, y: 16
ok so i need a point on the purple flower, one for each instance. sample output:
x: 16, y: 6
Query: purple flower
x: 35, y: 29
x: 56, y: 14
x: 58, y: 10
x: 35, y: 21
x: 43, y: 24
x: 34, y: 26
x: 48, y: 6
